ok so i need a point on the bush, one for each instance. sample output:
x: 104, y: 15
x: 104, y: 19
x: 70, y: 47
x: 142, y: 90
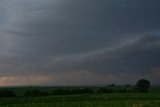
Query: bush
x: 127, y: 85
x: 45, y: 93
x: 7, y: 93
x: 77, y: 91
x: 112, y: 85
x: 36, y: 92
x: 131, y: 90
x: 122, y: 91
x: 105, y: 90
x: 87, y: 90
x: 82, y: 91
x: 60, y: 91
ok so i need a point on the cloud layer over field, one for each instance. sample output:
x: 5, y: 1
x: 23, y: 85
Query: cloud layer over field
x: 68, y: 42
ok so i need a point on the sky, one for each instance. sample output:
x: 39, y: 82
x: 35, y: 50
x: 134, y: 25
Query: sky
x: 79, y: 42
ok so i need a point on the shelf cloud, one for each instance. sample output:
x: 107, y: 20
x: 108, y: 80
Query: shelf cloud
x: 79, y: 42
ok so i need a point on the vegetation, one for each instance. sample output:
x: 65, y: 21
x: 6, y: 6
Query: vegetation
x: 107, y: 96
x: 86, y: 100
x: 105, y: 90
x: 143, y: 85
x: 60, y: 91
x: 36, y: 92
x: 6, y: 93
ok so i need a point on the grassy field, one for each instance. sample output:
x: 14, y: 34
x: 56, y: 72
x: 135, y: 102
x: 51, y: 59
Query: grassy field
x: 86, y: 100
x: 151, y: 99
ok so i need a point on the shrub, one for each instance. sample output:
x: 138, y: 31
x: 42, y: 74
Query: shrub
x: 122, y: 91
x: 60, y: 91
x: 105, y: 90
x: 77, y: 91
x: 112, y: 85
x: 131, y: 90
x: 7, y: 93
x: 45, y: 93
x: 127, y: 85
x: 87, y: 90
x: 35, y: 92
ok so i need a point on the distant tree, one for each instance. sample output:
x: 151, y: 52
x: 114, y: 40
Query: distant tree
x: 34, y: 93
x: 143, y: 85
x: 60, y: 91
x: 121, y: 91
x: 45, y: 93
x: 6, y: 93
x: 77, y: 91
x: 132, y: 90
x: 105, y: 90
x: 87, y: 90
x: 127, y: 85
x: 112, y: 85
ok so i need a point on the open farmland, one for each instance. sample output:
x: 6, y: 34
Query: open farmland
x: 86, y: 100
x: 151, y: 99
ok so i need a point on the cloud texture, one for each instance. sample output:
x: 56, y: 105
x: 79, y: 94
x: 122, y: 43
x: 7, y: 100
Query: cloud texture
x: 57, y: 40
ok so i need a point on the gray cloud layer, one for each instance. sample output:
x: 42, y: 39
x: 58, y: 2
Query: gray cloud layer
x: 56, y: 36
x: 139, y: 57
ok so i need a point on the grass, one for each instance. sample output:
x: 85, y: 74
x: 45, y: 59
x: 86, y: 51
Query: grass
x: 86, y: 100
x: 151, y: 99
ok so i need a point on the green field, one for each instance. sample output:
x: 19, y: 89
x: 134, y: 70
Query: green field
x: 86, y: 100
x: 151, y: 99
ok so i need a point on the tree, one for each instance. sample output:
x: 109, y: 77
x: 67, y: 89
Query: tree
x: 105, y: 90
x: 143, y: 85
x: 60, y: 91
x: 33, y: 93
x: 112, y: 85
x: 77, y: 91
x: 7, y: 93
x: 127, y: 85
x: 87, y: 90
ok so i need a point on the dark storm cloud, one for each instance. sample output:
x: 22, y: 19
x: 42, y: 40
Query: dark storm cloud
x: 138, y: 57
x: 135, y: 60
x: 77, y: 34
x: 68, y: 27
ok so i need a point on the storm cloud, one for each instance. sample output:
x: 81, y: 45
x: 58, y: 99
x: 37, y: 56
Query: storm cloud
x: 55, y: 39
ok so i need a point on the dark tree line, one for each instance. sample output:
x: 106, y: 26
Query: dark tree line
x: 142, y: 86
x: 59, y: 91
x: 6, y: 93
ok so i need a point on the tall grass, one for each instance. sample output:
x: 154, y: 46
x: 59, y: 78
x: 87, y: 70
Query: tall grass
x: 87, y: 100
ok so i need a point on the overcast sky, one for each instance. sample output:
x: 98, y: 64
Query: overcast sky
x: 79, y: 42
